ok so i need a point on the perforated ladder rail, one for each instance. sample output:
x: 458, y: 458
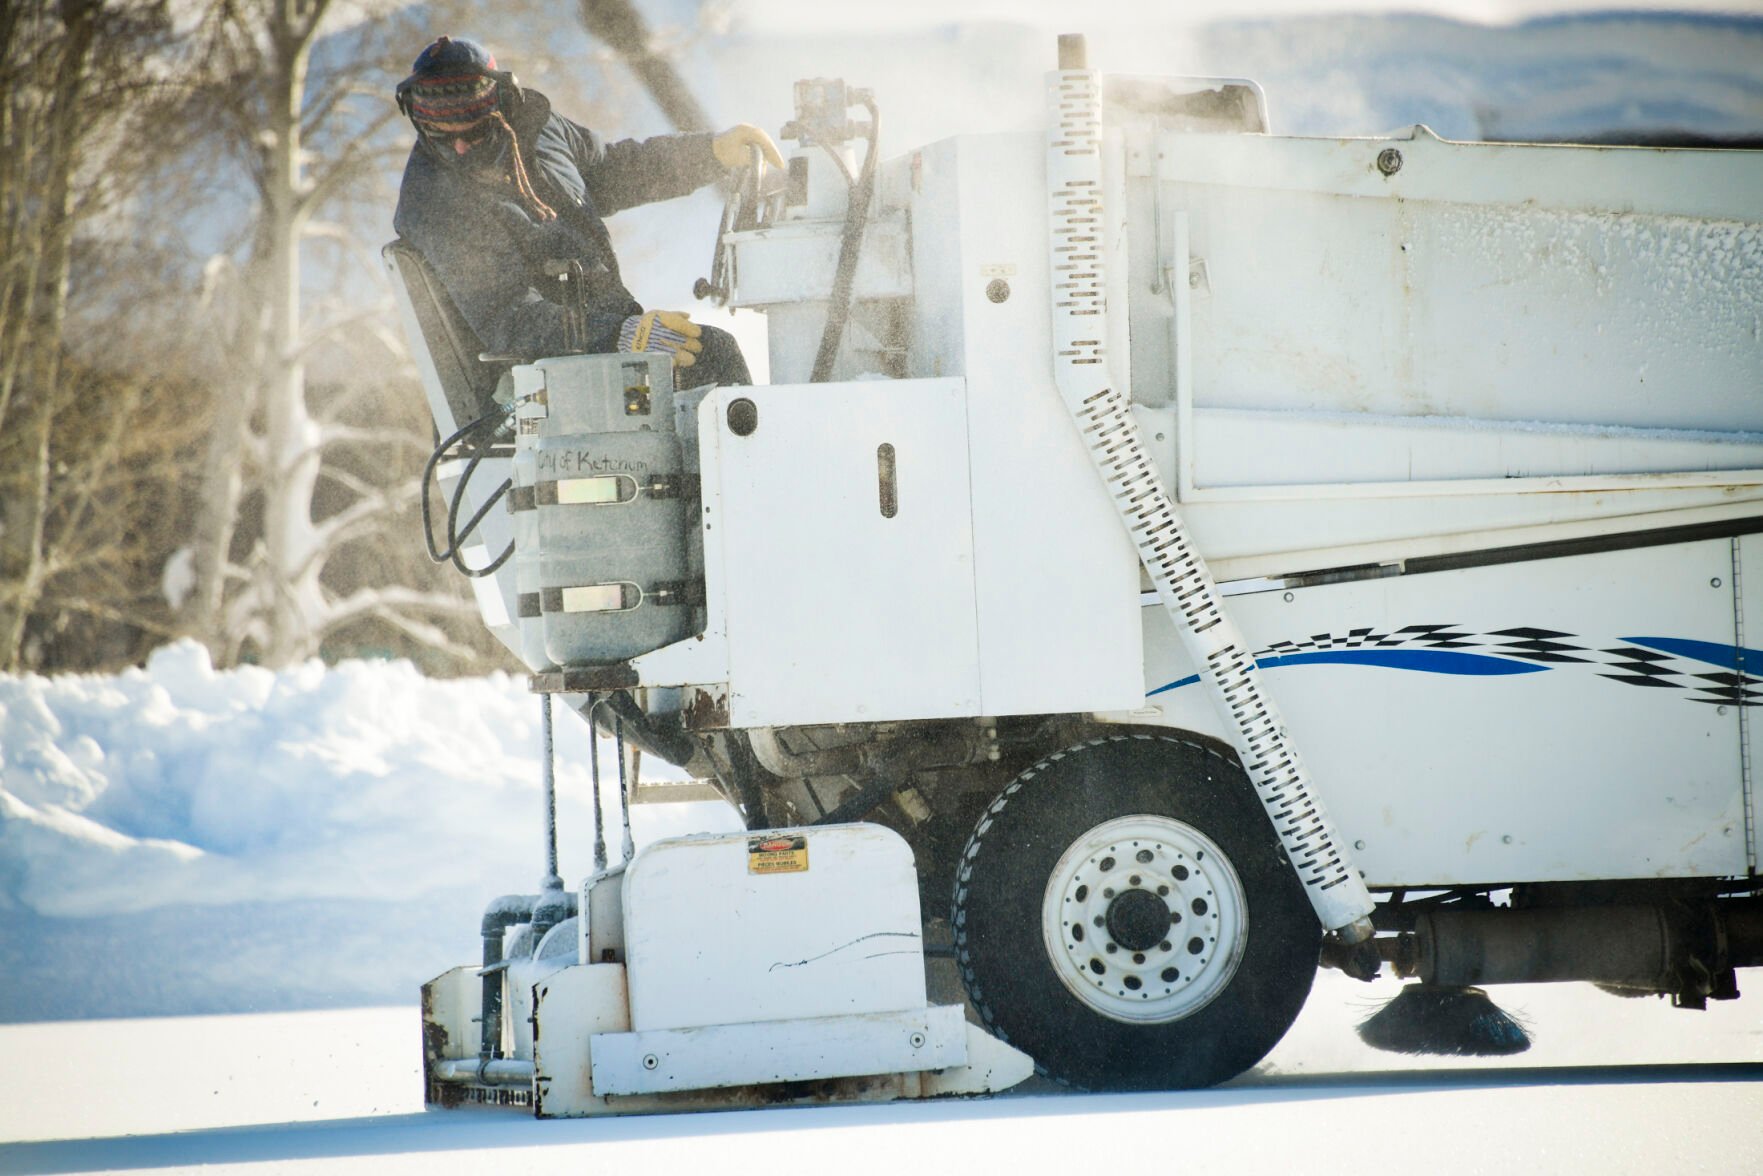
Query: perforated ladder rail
x: 1101, y: 411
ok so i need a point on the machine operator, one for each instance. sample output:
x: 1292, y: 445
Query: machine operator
x: 499, y: 189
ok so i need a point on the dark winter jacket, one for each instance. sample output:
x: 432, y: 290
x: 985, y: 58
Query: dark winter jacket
x: 491, y: 252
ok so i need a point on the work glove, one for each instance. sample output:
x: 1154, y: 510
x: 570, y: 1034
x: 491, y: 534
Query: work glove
x: 732, y: 145
x: 662, y: 330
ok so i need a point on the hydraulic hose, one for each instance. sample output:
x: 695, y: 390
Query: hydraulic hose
x: 850, y: 249
x: 488, y: 423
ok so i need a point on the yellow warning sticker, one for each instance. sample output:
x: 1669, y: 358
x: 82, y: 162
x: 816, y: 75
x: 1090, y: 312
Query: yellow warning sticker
x: 778, y: 853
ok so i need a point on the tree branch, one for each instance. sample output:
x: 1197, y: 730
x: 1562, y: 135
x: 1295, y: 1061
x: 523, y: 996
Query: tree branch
x: 369, y: 601
x: 355, y: 435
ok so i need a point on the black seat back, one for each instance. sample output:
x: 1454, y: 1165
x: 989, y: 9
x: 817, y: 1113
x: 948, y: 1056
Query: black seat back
x: 466, y: 382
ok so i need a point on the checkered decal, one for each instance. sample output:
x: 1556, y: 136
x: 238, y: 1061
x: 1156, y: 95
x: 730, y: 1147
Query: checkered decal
x: 1632, y: 664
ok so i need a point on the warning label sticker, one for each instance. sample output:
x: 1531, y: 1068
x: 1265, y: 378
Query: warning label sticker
x: 777, y: 854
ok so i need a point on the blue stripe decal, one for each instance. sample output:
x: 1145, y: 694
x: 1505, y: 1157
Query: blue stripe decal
x: 1428, y: 661
x: 1711, y: 652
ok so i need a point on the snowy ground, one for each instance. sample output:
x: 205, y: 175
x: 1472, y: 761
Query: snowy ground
x: 178, y: 840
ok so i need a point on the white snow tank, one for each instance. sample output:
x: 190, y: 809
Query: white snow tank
x: 601, y: 558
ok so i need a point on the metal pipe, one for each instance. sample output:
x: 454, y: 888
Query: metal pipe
x: 662, y: 738
x: 548, y: 774
x: 1624, y: 945
x: 1744, y: 933
x: 1655, y: 947
x: 501, y: 914
x: 500, y: 1072
x: 1073, y: 52
x: 594, y: 768
x: 624, y: 793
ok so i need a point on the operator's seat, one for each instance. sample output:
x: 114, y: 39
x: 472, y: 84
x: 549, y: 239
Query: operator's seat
x: 452, y: 367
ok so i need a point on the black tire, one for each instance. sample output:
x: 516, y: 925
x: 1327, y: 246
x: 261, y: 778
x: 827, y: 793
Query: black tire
x: 1140, y: 781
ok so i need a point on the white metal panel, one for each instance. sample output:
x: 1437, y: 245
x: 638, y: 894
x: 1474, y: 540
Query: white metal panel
x: 1748, y: 615
x: 1567, y: 284
x: 1055, y: 575
x: 452, y: 1004
x: 835, y: 611
x: 701, y: 659
x: 1480, y: 753
x: 517, y: 1009
x: 1269, y: 448
x: 711, y: 943
x: 650, y: 1062
x: 1501, y: 315
x: 991, y: 1065
x: 795, y: 261
x: 1316, y: 527
x: 569, y: 1008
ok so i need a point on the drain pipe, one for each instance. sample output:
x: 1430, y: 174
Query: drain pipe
x: 553, y: 905
x: 544, y: 910
x: 501, y: 914
x: 1101, y: 409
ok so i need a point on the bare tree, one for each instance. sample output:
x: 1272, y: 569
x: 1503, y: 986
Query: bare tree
x: 78, y: 505
x: 262, y: 546
x: 623, y: 29
x: 293, y: 523
x: 211, y: 204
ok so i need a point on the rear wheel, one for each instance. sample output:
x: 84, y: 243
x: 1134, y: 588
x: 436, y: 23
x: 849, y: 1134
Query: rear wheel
x: 1123, y: 914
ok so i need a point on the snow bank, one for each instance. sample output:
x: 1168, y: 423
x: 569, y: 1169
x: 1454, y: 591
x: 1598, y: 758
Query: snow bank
x: 272, y: 839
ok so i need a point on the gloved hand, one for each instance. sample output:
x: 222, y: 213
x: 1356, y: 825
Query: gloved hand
x: 732, y: 145
x: 662, y: 330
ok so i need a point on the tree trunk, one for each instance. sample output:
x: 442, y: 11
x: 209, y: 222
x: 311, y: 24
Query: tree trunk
x: 21, y: 545
x: 290, y: 593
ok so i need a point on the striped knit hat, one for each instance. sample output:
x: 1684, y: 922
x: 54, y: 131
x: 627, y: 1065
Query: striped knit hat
x: 453, y: 89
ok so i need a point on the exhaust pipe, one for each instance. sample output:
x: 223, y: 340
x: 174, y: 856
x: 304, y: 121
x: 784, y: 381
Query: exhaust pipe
x: 1687, y: 949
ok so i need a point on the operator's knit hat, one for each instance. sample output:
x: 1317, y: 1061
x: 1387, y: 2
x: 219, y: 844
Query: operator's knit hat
x: 454, y: 87
x: 451, y: 87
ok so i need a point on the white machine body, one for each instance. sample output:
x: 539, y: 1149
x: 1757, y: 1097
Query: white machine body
x: 1370, y: 372
x: 1468, y: 439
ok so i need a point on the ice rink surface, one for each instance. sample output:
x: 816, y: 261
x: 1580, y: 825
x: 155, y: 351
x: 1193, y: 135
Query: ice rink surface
x: 1610, y: 1086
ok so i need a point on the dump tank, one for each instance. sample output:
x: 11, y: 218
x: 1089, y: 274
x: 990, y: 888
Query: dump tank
x: 601, y: 502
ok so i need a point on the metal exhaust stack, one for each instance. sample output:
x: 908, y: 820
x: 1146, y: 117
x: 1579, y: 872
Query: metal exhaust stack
x: 1102, y: 413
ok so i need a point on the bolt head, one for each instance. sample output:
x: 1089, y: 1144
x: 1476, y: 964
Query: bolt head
x: 1389, y: 161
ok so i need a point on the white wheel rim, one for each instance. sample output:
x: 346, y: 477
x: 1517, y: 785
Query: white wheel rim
x: 1097, y: 916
